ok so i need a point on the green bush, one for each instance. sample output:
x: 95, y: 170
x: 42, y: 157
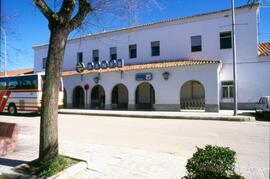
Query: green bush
x: 212, y: 162
x: 53, y: 166
x: 49, y: 167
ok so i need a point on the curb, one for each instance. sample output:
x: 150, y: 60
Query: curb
x: 179, y: 117
x: 71, y: 171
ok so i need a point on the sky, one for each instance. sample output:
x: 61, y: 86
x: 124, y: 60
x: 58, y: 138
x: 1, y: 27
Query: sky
x: 25, y: 26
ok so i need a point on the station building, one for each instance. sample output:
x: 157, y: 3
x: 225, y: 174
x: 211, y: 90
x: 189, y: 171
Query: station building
x: 182, y: 63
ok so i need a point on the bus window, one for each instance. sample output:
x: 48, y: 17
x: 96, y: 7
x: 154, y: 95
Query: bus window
x: 14, y: 84
x: 29, y: 82
x: 3, y: 84
x: 22, y: 82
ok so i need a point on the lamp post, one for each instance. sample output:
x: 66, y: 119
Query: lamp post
x: 5, y: 51
x: 234, y: 60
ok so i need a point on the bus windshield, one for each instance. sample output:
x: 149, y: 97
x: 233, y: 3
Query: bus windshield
x: 19, y: 82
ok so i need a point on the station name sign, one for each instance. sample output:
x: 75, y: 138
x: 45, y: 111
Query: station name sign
x: 80, y: 67
x: 144, y: 77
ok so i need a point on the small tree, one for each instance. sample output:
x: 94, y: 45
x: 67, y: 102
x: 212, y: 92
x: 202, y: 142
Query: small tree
x: 212, y: 162
x: 70, y: 16
x: 60, y: 24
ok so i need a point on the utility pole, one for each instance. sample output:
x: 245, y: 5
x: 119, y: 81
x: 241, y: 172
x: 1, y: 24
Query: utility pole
x: 234, y: 60
x: 5, y: 51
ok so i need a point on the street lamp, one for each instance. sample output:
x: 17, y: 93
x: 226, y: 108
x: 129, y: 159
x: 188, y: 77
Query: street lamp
x: 234, y: 60
x: 5, y: 51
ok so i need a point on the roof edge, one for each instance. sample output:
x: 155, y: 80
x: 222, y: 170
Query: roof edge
x: 155, y: 23
x: 147, y: 66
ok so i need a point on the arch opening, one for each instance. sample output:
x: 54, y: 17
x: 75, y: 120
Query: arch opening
x: 78, y: 97
x: 120, y: 97
x: 98, y: 97
x: 192, y: 95
x: 145, y: 96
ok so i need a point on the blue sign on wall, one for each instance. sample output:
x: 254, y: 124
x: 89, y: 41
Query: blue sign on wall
x: 112, y: 64
x: 97, y: 66
x: 144, y: 77
x: 104, y: 64
x: 90, y: 66
x: 120, y: 63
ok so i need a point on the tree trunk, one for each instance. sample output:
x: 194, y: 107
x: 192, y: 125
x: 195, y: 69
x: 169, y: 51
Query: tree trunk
x: 48, y: 147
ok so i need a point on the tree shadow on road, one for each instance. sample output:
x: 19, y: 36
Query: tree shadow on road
x: 11, y: 162
x: 264, y: 117
x: 261, y: 117
x: 21, y: 115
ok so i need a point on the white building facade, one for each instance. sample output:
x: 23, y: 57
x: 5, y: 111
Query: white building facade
x: 184, y: 63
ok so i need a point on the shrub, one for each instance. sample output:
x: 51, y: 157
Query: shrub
x: 212, y: 162
x: 53, y: 166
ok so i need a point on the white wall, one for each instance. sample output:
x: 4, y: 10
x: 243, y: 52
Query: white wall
x: 253, y: 80
x: 166, y: 91
x: 174, y: 40
x: 174, y: 37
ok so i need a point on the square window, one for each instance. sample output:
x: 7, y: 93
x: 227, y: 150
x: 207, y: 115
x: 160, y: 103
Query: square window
x: 196, y: 43
x: 95, y: 55
x: 113, y: 53
x: 225, y: 40
x: 44, y: 60
x: 224, y: 92
x: 227, y: 89
x: 133, y: 51
x: 79, y: 57
x: 231, y: 94
x: 155, y: 48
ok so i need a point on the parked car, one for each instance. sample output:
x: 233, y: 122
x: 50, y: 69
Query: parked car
x: 263, y: 106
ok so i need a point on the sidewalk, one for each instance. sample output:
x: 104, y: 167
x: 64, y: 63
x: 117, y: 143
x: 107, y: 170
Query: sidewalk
x: 108, y: 162
x: 224, y: 115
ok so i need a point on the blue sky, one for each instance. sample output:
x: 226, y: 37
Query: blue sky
x: 27, y: 26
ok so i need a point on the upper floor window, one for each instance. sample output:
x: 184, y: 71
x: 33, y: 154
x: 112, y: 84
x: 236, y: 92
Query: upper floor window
x: 196, y: 43
x: 79, y: 57
x: 155, y: 48
x: 227, y: 89
x: 225, y: 40
x: 133, y: 51
x: 113, y: 53
x: 95, y: 56
x: 44, y: 60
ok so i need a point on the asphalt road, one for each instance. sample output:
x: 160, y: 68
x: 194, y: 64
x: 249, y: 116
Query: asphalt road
x: 180, y: 137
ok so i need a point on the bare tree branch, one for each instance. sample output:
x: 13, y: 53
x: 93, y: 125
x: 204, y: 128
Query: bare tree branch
x: 44, y: 8
x: 67, y: 9
x: 77, y: 20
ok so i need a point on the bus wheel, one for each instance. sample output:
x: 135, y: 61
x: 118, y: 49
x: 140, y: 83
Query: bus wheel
x: 12, y: 109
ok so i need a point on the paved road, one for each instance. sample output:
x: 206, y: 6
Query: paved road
x: 178, y: 137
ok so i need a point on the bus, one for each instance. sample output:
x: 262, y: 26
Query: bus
x: 22, y: 94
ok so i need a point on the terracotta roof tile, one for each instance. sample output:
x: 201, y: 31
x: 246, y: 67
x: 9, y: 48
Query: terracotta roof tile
x: 264, y: 49
x: 18, y: 72
x: 155, y: 65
